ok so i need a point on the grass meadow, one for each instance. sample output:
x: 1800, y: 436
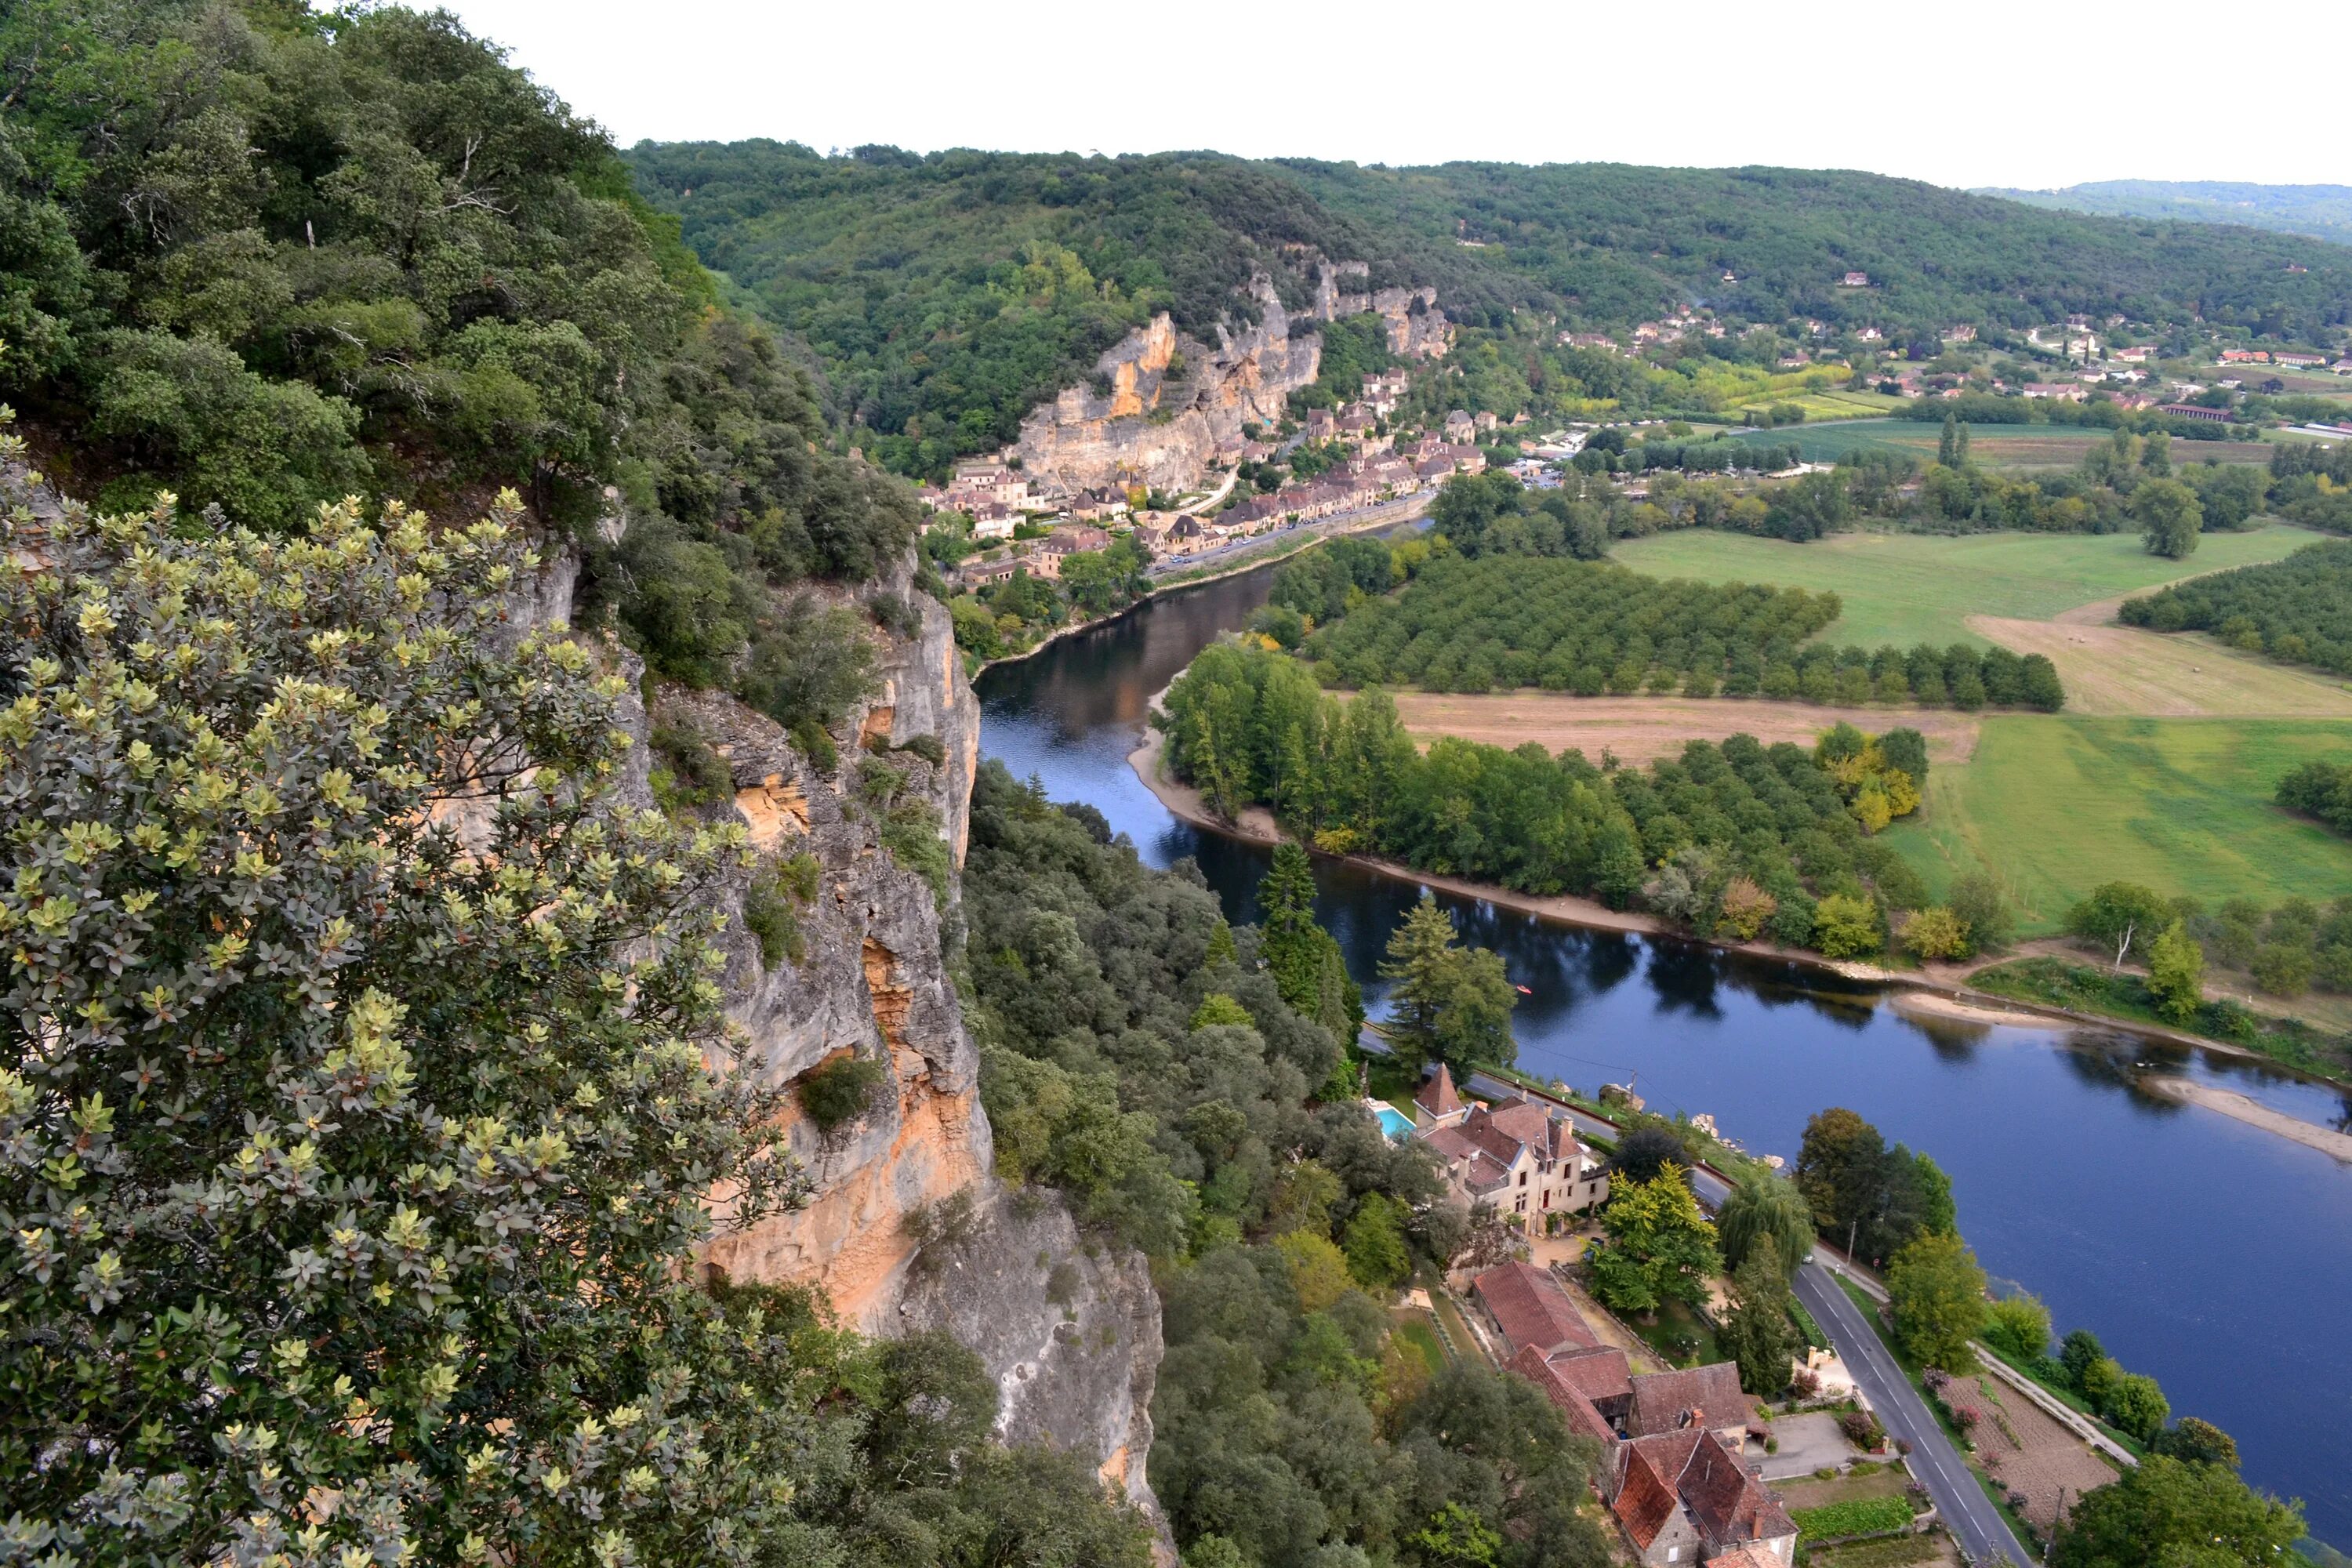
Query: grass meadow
x: 2056, y: 805
x: 1908, y: 588
x: 2011, y: 446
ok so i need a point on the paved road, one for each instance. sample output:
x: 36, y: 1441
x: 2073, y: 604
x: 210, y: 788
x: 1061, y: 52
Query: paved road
x: 1386, y: 514
x: 1983, y: 1535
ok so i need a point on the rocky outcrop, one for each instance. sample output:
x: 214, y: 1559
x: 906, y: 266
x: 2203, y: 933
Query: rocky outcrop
x: 1139, y: 423
x: 1078, y: 1376
x: 1070, y: 1332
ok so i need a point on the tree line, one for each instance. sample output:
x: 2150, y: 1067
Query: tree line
x: 2296, y: 611
x: 1739, y: 840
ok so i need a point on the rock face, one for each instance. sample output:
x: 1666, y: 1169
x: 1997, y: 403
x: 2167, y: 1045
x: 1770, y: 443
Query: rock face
x: 1139, y: 423
x: 1073, y: 1340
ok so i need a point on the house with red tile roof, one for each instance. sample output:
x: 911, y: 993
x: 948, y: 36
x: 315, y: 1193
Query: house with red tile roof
x: 1518, y: 1157
x: 1684, y: 1498
x: 1530, y: 1310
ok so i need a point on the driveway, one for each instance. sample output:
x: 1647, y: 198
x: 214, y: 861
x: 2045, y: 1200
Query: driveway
x: 1983, y: 1535
x: 1809, y: 1442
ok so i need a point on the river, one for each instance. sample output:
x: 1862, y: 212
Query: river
x: 2204, y: 1251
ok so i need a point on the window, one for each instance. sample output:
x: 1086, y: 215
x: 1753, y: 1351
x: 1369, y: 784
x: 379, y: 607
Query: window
x: 1523, y: 1178
x: 1546, y: 1197
x: 1522, y: 1205
x: 1673, y: 1553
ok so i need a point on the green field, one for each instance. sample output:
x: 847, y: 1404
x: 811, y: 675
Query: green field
x: 2020, y: 447
x: 1908, y: 588
x: 2055, y: 806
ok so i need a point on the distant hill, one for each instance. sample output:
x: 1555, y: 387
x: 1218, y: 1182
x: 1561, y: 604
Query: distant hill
x: 2324, y: 211
x: 944, y: 294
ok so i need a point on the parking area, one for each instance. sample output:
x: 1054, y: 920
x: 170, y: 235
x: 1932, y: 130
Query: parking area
x: 1809, y: 1442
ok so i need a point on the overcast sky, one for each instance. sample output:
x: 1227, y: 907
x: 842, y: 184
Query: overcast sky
x: 2038, y: 94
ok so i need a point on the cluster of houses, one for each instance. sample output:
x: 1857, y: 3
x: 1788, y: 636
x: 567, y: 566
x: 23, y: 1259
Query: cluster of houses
x: 1676, y: 1473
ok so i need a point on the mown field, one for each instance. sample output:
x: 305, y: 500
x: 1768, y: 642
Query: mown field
x: 2056, y: 805
x: 2010, y: 446
x: 1908, y: 588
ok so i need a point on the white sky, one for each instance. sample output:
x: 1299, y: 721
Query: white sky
x: 1993, y: 92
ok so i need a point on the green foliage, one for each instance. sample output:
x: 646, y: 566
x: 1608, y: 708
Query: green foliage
x: 353, y: 1102
x: 912, y: 833
x: 1660, y: 1247
x: 1217, y: 1010
x: 2170, y: 515
x: 2122, y: 919
x: 1247, y: 725
x: 1856, y: 1516
x: 2321, y: 790
x: 1766, y: 1208
x: 687, y: 774
x: 2196, y: 1442
x: 2167, y: 1510
x: 1306, y: 961
x: 2296, y: 611
x: 838, y: 1091
x: 772, y: 904
x: 1935, y: 1298
x: 1858, y: 1188
x: 1452, y: 1004
x: 1936, y: 933
x: 1756, y: 1332
x: 2019, y: 1325
x: 1374, y: 1243
x: 1987, y: 920
x: 2175, y: 968
x: 1846, y: 927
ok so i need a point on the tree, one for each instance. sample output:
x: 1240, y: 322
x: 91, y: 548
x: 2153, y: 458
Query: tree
x: 1374, y: 1243
x: 1838, y: 1167
x: 382, y: 1062
x: 2078, y: 1352
x: 1846, y: 926
x: 1760, y: 1208
x: 2169, y: 1511
x: 1977, y: 902
x: 1756, y: 1332
x: 2019, y: 1324
x: 2176, y: 968
x: 1935, y: 1294
x: 1935, y: 932
x: 1644, y: 1155
x: 1660, y: 1247
x: 2137, y: 1406
x: 2168, y: 514
x: 2121, y: 917
x: 2196, y: 1442
x: 1308, y: 965
x: 1319, y: 1270
x: 1417, y: 958
x: 1451, y: 1002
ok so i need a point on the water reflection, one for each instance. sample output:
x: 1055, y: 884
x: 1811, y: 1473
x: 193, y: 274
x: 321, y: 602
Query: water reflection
x: 2207, y: 1252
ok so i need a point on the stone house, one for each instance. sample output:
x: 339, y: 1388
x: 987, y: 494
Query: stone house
x: 1184, y: 536
x: 1683, y: 1498
x: 1460, y: 426
x: 1321, y: 423
x: 1066, y: 542
x: 1520, y: 1158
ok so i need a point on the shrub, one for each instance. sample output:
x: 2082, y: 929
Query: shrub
x: 2019, y: 1326
x: 1935, y: 932
x: 769, y: 907
x: 838, y: 1091
x: 1846, y: 927
x: 687, y: 773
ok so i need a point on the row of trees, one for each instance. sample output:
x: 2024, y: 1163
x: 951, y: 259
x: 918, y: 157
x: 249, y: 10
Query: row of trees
x: 1182, y: 1082
x: 2296, y: 611
x: 1502, y: 621
x: 1736, y: 839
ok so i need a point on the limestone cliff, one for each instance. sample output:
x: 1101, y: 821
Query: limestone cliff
x: 1140, y: 424
x: 1070, y: 1334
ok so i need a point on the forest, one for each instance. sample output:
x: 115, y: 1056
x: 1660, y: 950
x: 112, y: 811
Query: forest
x: 944, y: 295
x: 1738, y: 839
x: 2296, y: 611
x: 1504, y: 621
x: 1139, y: 1057
x: 264, y: 257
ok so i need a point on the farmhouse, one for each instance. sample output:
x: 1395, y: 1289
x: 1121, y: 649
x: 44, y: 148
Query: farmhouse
x: 1857, y: 281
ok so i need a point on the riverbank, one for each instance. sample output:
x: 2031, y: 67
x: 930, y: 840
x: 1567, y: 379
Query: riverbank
x: 1390, y: 514
x: 1911, y: 993
x: 2326, y: 1139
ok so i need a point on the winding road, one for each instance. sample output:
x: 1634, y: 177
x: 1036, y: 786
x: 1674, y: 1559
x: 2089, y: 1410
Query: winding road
x: 1983, y: 1535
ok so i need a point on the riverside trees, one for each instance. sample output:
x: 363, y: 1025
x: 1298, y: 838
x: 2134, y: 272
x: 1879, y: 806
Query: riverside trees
x: 1743, y: 838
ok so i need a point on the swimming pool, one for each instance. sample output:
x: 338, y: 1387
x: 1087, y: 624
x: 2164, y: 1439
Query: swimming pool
x: 1394, y: 1122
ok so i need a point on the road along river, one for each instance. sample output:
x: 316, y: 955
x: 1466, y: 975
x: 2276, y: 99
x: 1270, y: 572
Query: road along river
x: 2201, y: 1248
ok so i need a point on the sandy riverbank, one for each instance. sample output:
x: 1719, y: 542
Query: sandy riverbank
x: 1911, y: 994
x: 2253, y: 1113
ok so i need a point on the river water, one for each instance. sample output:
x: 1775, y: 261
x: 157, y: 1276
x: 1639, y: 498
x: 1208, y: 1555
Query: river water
x: 2206, y: 1252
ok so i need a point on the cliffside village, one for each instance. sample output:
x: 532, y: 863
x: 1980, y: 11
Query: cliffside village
x: 1380, y: 464
x: 1677, y: 1473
